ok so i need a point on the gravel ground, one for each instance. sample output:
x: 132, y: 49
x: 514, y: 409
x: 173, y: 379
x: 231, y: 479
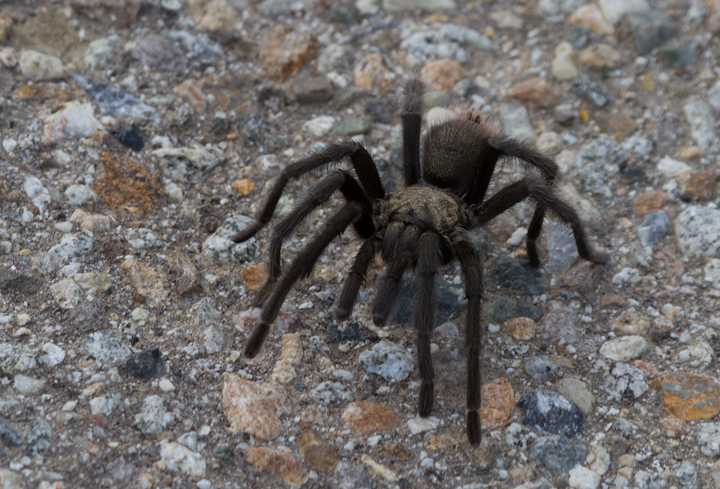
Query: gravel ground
x: 139, y: 135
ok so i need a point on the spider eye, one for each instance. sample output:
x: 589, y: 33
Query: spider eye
x: 411, y: 212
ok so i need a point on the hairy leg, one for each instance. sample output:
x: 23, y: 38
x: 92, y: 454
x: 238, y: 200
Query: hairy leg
x: 318, y: 194
x: 429, y: 259
x: 360, y: 159
x: 411, y: 122
x: 301, y: 267
x: 356, y: 277
x: 543, y: 194
x: 471, y: 266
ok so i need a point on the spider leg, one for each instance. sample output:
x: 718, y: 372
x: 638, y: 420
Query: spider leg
x: 360, y: 159
x: 388, y: 287
x: 429, y: 259
x: 318, y: 194
x: 471, y: 266
x: 356, y: 277
x: 301, y: 267
x: 542, y: 193
x: 549, y: 169
x: 411, y: 123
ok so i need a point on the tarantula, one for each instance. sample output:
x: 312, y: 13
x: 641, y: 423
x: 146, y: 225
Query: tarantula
x: 423, y: 226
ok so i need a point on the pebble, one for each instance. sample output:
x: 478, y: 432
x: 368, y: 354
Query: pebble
x: 614, y: 10
x: 292, y: 354
x: 40, y: 66
x: 583, y: 478
x: 253, y: 407
x: 687, y: 474
x: 178, y: 457
x: 278, y: 463
x: 38, y: 437
x: 389, y: 360
x: 649, y: 202
x: 557, y: 453
x: 198, y: 45
x: 624, y: 348
x: 72, y: 245
x: 419, y: 424
x: 130, y: 138
x: 159, y: 53
x: 701, y: 120
x: 328, y: 393
x: 562, y: 249
x: 637, y: 145
x: 563, y: 67
x: 625, y: 382
x: 320, y: 126
x: 600, y: 56
x: 536, y: 91
x: 107, y: 348
x: 369, y: 417
x: 317, y: 452
x: 142, y: 238
x: 580, y: 36
x: 516, y: 121
x: 148, y: 282
x: 10, y: 435
x: 650, y: 29
x: 678, y: 57
x: 506, y: 308
x: 517, y: 275
x: 354, y: 125
x: 591, y: 17
x: 551, y: 412
x: 697, y: 231
x: 713, y: 97
x: 153, y: 418
x: 201, y: 157
x: 99, y: 51
x: 691, y: 396
x: 542, y: 369
x: 522, y: 328
x: 442, y: 74
x: 53, y: 355
x: 220, y: 247
x: 114, y: 101
x: 588, y: 89
x: 577, y: 391
x: 653, y: 228
x: 708, y: 438
x: 497, y: 403
x: 73, y: 120
x: 27, y: 385
x: 94, y: 223
x: 350, y: 476
x: 712, y: 272
x: 286, y: 52
x: 145, y: 365
x: 597, y: 162
x: 67, y: 293
x: 11, y: 479
x: 444, y: 41
x: 80, y: 195
x: 37, y: 192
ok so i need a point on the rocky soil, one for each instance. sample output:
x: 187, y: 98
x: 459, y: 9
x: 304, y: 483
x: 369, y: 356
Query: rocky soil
x: 139, y: 135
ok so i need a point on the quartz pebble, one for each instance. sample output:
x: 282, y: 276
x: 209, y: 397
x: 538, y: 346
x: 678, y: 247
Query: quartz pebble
x: 389, y: 360
x: 254, y: 408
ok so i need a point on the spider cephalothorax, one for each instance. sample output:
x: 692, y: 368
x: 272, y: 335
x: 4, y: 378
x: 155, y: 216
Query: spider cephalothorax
x: 423, y: 226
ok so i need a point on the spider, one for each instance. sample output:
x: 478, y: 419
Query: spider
x: 424, y: 226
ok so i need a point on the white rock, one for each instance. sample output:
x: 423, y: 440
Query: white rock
x: 27, y: 385
x: 54, y: 355
x: 174, y: 192
x: 73, y: 120
x: 100, y: 50
x: 563, y: 67
x: 697, y: 230
x: 320, y: 126
x: 142, y: 238
x: 153, y: 418
x: 221, y: 248
x: 73, y: 245
x: 9, y: 145
x: 624, y: 349
x: 178, y: 457
x: 712, y: 272
x: 37, y: 193
x: 582, y: 478
x: 39, y: 66
x: 80, y: 194
x: 166, y: 386
x: 389, y: 360
x: 203, y: 158
x: 104, y: 405
x: 420, y: 425
x: 66, y: 293
x: 672, y: 168
x: 613, y: 10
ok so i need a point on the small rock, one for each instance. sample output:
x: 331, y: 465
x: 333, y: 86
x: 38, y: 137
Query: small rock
x: 597, y: 162
x: 652, y: 230
x: 317, y: 452
x: 350, y: 476
x: 419, y: 424
x: 442, y: 74
x: 107, y: 348
x: 37, y: 192
x: 145, y: 366
x: 600, y: 56
x: 53, y: 355
x: 199, y: 45
x: 327, y: 393
x: 701, y: 120
x: 562, y: 249
x: 580, y: 36
x: 112, y: 100
x: 39, y: 66
x: 312, y: 90
x: 142, y: 238
x: 201, y: 157
x: 10, y: 435
x: 517, y: 275
x: 614, y: 10
x: 320, y: 126
x: 27, y: 385
x: 624, y: 349
x: 368, y: 417
x: 66, y: 293
x: 221, y: 248
x: 94, y: 223
x: 563, y: 67
x: 557, y: 453
x: 130, y: 138
x: 280, y: 464
x: 178, y: 457
x: 577, y: 391
x: 582, y: 478
x: 649, y: 202
x: 99, y: 51
x: 148, y: 282
x: 691, y: 396
x: 588, y: 89
x: 687, y: 474
x: 697, y: 230
x: 72, y: 245
x: 678, y: 57
x: 153, y: 418
x: 650, y: 29
x: 536, y: 91
x: 447, y: 301
x: 497, y: 399
x: 625, y: 382
x: 542, y: 369
x: 38, y: 437
x: 590, y: 16
x: 708, y: 437
x: 158, y: 52
x: 388, y: 360
x: 553, y: 413
x: 676, y: 427
x: 80, y: 194
x: 73, y: 120
x: 522, y: 328
x: 428, y: 5
x: 191, y: 92
x: 516, y: 121
x: 354, y: 125
x: 254, y: 407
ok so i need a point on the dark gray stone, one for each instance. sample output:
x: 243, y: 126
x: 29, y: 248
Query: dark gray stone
x: 146, y: 365
x: 551, y: 412
x: 10, y: 435
x: 112, y: 100
x: 580, y: 36
x: 542, y: 369
x: 678, y: 57
x: 312, y: 90
x: 11, y: 281
x: 380, y: 110
x: 653, y: 228
x: 506, y: 308
x: 160, y: 53
x: 267, y: 137
x: 588, y: 89
x: 650, y: 29
x: 557, y: 453
x: 517, y: 275
x: 38, y: 438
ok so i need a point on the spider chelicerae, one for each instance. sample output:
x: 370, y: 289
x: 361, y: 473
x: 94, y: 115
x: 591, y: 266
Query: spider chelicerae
x: 424, y: 226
